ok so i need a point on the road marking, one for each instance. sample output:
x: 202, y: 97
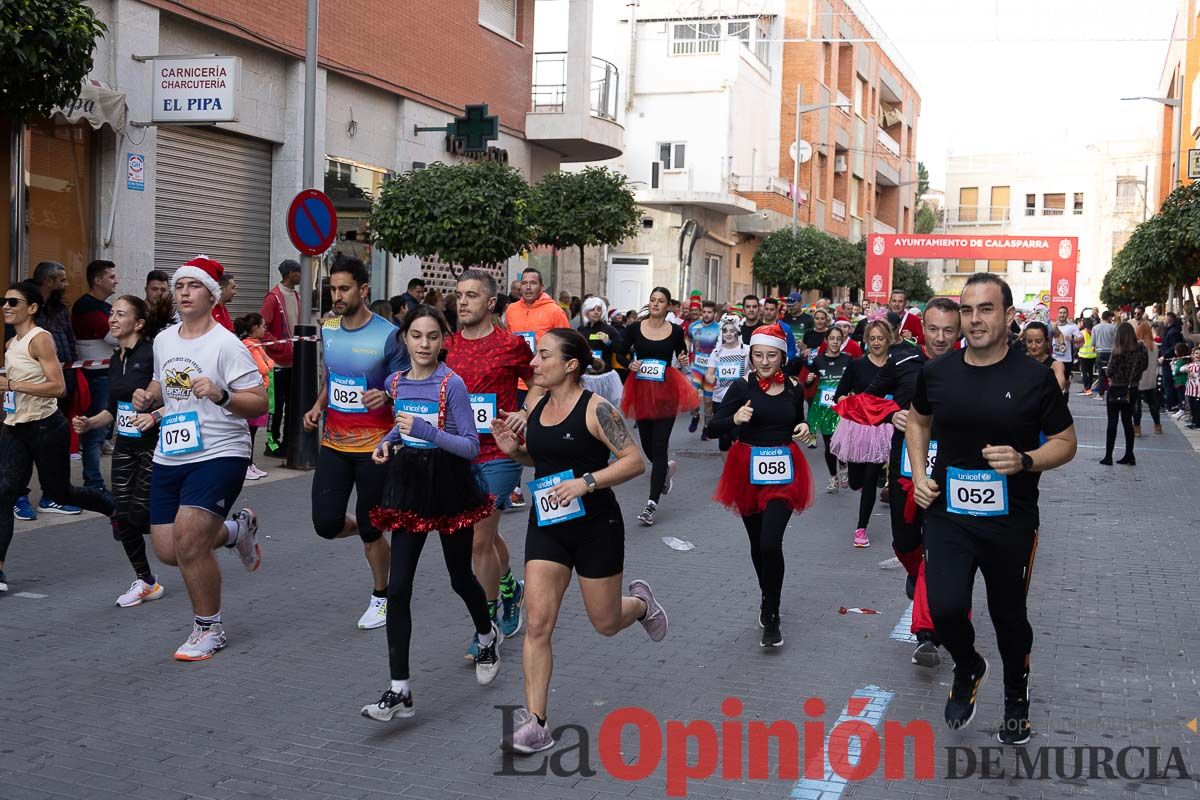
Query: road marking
x: 1139, y: 449
x: 30, y: 595
x: 867, y: 704
x: 903, y: 630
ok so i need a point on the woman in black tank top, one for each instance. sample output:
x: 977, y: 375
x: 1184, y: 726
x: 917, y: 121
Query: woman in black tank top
x: 1036, y: 337
x: 574, y: 521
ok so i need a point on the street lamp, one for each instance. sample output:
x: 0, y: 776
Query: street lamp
x: 802, y: 109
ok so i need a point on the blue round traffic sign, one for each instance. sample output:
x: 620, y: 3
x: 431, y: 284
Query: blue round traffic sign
x: 312, y: 222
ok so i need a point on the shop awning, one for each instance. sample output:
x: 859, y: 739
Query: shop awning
x: 97, y: 105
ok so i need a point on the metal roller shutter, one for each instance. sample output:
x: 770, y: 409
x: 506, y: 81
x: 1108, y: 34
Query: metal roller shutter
x: 214, y: 197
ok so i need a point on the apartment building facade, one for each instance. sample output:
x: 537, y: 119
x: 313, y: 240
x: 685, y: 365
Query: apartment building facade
x: 1098, y: 193
x: 223, y: 188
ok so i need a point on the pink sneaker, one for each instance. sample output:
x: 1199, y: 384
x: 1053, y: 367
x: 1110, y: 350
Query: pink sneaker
x: 861, y: 539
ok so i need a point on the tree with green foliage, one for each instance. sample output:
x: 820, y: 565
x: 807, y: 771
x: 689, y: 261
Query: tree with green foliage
x: 583, y: 209
x: 802, y: 261
x: 914, y: 280
x: 1162, y: 255
x: 926, y: 219
x: 472, y: 214
x: 922, y: 179
x: 47, y: 53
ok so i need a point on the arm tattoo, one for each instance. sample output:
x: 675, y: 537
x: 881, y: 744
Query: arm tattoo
x: 612, y: 425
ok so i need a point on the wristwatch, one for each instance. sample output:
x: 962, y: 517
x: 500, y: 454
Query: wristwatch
x: 590, y: 480
x: 225, y: 398
x: 1026, y: 462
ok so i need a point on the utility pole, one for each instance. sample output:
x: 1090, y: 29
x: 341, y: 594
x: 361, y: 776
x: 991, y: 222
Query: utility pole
x: 796, y: 161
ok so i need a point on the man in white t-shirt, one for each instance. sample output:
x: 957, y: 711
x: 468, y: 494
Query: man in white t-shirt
x: 206, y: 385
x: 1064, y: 349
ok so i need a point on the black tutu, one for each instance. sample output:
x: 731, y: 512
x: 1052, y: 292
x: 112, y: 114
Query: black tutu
x: 431, y: 490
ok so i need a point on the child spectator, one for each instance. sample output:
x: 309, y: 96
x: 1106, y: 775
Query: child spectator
x: 251, y: 329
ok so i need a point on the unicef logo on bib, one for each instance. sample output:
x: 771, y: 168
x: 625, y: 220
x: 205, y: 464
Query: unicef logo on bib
x: 421, y: 409
x: 179, y: 434
x: 483, y: 409
x: 770, y: 465
x: 346, y: 394
x: 126, y: 416
x: 548, y: 510
x: 976, y: 492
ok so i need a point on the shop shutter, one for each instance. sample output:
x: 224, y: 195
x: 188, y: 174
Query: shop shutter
x: 213, y: 196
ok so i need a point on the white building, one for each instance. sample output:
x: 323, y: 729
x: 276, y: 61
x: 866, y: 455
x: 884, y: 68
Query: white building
x: 1098, y: 193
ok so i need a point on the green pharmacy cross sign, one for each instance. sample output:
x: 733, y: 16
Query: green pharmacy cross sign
x: 474, y: 129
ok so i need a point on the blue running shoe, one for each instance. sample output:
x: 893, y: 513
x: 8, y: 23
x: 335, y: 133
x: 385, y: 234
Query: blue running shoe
x: 51, y: 507
x: 513, y: 618
x: 23, y: 510
x: 473, y: 649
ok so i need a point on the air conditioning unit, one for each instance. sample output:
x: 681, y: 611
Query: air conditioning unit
x: 839, y: 164
x: 656, y: 168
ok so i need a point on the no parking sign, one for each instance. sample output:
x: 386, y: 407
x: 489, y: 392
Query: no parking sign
x: 312, y: 222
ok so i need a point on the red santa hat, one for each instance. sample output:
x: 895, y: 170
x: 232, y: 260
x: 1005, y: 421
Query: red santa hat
x: 770, y: 335
x: 205, y: 270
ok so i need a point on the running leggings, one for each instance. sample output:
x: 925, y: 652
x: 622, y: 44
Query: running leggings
x: 953, y: 552
x: 406, y: 553
x: 1087, y: 366
x: 131, y: 471
x: 831, y: 461
x: 765, y: 531
x: 865, y: 477
x: 1123, y: 412
x: 45, y: 444
x: 1148, y: 397
x: 656, y: 439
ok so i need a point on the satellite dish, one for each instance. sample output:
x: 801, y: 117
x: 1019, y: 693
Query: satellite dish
x: 800, y: 151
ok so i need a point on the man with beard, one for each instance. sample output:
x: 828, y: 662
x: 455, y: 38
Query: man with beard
x: 753, y: 313
x: 360, y: 350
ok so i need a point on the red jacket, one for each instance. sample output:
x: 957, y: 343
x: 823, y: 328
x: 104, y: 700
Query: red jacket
x: 221, y: 314
x: 275, y: 320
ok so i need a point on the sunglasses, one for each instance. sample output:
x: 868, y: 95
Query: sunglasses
x: 12, y: 302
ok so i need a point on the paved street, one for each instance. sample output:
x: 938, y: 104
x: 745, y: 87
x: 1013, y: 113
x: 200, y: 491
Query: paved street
x: 93, y: 706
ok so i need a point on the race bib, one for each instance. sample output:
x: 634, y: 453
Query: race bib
x: 547, y: 509
x: 652, y: 369
x: 483, y: 409
x: 827, y: 393
x: 10, y: 402
x: 597, y: 355
x: 976, y: 492
x: 930, y: 460
x: 346, y: 394
x: 770, y: 465
x: 125, y: 418
x: 421, y: 409
x: 729, y: 371
x: 701, y: 361
x: 179, y: 434
x: 530, y: 339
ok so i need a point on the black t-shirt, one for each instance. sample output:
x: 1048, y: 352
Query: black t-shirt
x: 824, y: 366
x: 126, y: 374
x: 814, y: 338
x: 775, y: 417
x: 800, y: 324
x: 898, y: 377
x: 857, y: 377
x: 1009, y: 403
x: 748, y: 331
x: 660, y: 349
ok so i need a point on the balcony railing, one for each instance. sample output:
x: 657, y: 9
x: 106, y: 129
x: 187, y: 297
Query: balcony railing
x: 843, y: 103
x: 889, y: 144
x: 977, y: 215
x: 550, y: 85
x: 839, y: 210
x: 762, y: 183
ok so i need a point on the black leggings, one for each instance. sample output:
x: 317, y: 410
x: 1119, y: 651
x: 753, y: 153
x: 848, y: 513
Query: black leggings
x: 656, y: 439
x: 131, y: 469
x: 1124, y: 412
x: 338, y: 473
x: 765, y: 531
x: 1087, y: 368
x: 406, y: 553
x: 865, y: 477
x: 831, y: 461
x: 45, y: 444
x: 1149, y: 397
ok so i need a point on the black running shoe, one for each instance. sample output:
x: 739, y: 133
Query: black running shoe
x: 1016, y: 729
x: 391, y: 706
x: 762, y: 613
x: 926, y: 654
x: 910, y: 586
x: 960, y: 705
x: 771, y: 635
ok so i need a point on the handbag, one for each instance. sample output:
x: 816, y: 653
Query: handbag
x: 1118, y: 395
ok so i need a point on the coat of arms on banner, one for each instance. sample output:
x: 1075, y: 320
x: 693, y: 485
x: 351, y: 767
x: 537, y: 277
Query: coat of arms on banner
x: 877, y: 246
x: 876, y: 283
x: 1064, y: 248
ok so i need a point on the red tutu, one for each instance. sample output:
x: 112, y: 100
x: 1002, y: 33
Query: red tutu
x: 663, y: 399
x: 739, y: 495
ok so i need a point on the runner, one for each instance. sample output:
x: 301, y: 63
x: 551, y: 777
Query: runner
x: 205, y: 387
x: 825, y: 375
x: 752, y: 311
x: 1087, y: 358
x: 34, y: 432
x: 766, y: 478
x: 601, y: 377
x: 1066, y: 342
x: 530, y: 319
x: 134, y: 324
x: 898, y: 378
x: 864, y: 444
x: 703, y: 334
x: 1035, y: 338
x: 360, y: 350
x: 655, y: 392
x: 988, y: 407
x: 432, y: 485
x: 575, y: 524
x: 728, y: 363
x: 909, y: 326
x: 490, y: 361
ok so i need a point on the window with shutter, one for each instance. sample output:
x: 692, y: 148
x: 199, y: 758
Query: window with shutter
x: 499, y: 16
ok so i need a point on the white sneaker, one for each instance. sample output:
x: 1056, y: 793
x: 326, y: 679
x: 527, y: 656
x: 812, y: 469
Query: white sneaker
x: 832, y: 487
x: 259, y: 471
x: 252, y: 474
x: 672, y: 468
x: 247, y: 541
x: 107, y: 447
x: 139, y: 592
x: 202, y: 644
x: 843, y: 475
x: 375, y: 616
